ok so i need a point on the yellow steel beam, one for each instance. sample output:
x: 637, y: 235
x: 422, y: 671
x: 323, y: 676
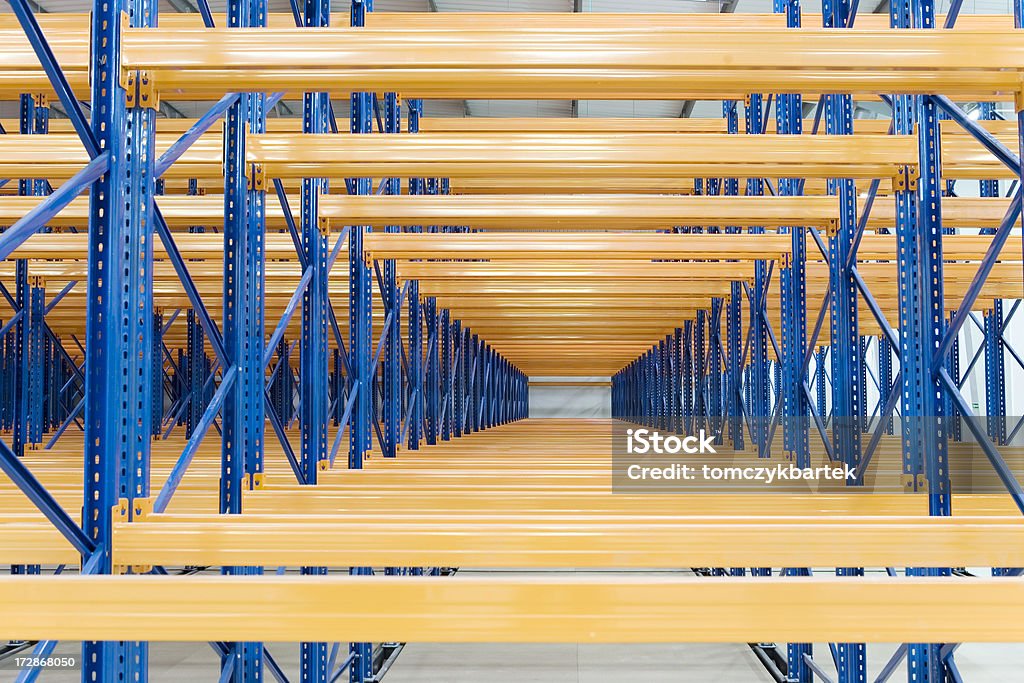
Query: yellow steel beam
x: 579, y: 212
x: 568, y: 246
x: 583, y: 155
x: 571, y: 272
x: 546, y: 543
x: 180, y: 211
x: 511, y: 609
x: 61, y: 155
x: 547, y: 61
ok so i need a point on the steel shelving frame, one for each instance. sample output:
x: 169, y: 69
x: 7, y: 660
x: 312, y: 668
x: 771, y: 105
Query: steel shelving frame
x: 924, y: 341
x: 123, y: 379
x: 465, y: 385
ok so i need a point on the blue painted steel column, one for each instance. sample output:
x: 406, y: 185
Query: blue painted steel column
x: 885, y: 379
x: 676, y: 381
x: 313, y: 406
x: 196, y: 373
x: 995, y: 370
x: 473, y: 393
x: 686, y: 371
x: 391, y: 370
x: 923, y: 659
x: 995, y: 376
x: 119, y: 313
x: 432, y: 388
x: 360, y: 329
x: 459, y: 377
x: 445, y: 335
x: 360, y: 304
x: 793, y: 285
x: 846, y: 350
x: 417, y: 186
x: 700, y: 409
x: 760, y: 406
x: 715, y: 372
x: 242, y: 422
x: 158, y: 371
x: 415, y: 371
x: 313, y: 341
x: 34, y: 359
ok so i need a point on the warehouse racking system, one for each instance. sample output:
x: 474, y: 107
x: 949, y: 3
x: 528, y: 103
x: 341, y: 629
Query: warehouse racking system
x: 165, y: 278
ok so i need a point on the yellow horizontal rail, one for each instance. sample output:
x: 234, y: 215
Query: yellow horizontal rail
x: 600, y: 609
x: 568, y: 246
x: 583, y: 155
x: 586, y: 212
x: 531, y: 543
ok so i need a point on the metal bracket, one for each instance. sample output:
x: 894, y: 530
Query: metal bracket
x: 140, y: 90
x: 41, y: 100
x: 906, y: 178
x: 323, y: 223
x: 141, y: 509
x: 1018, y: 100
x: 258, y: 480
x: 37, y: 281
x: 914, y: 482
x: 257, y: 177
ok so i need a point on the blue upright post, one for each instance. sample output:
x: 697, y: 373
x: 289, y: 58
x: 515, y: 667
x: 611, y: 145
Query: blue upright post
x: 391, y: 370
x: 846, y: 351
x: 158, y: 371
x: 360, y: 327
x: 700, y: 407
x: 459, y: 379
x: 196, y: 373
x: 432, y: 388
x: 686, y: 359
x: 676, y: 376
x: 34, y: 357
x: 473, y: 393
x: 995, y: 371
x: 715, y: 372
x: 119, y: 309
x: 923, y: 660
x: 415, y: 418
x: 885, y: 380
x: 995, y: 376
x: 360, y: 304
x: 242, y: 422
x: 313, y: 339
x: 445, y: 335
x: 820, y: 380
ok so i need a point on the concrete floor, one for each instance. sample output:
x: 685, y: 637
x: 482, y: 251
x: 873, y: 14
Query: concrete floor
x: 512, y: 663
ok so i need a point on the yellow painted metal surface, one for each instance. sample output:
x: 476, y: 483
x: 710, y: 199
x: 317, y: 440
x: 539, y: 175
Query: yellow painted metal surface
x: 600, y: 609
x: 526, y: 542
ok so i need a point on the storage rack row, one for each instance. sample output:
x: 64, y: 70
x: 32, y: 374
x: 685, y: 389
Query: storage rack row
x: 434, y: 363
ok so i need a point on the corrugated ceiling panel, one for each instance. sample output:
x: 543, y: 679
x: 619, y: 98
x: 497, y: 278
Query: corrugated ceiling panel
x: 526, y: 108
x: 504, y: 5
x: 398, y: 6
x: 651, y: 6
x: 629, y: 109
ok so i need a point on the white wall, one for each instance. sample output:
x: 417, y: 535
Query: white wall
x: 570, y: 401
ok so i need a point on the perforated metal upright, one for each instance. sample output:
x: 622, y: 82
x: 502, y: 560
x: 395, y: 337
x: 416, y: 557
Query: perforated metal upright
x: 360, y: 303
x: 391, y: 370
x: 119, y: 313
